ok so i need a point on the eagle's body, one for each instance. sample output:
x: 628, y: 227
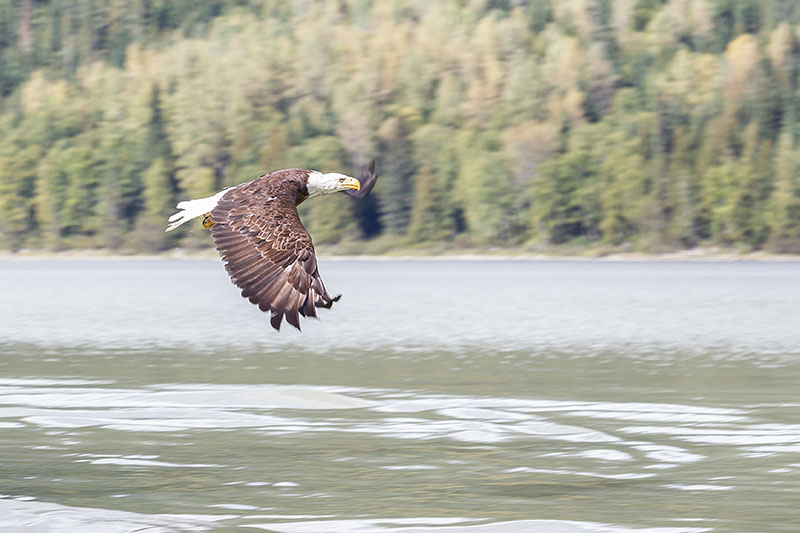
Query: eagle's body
x: 267, y: 251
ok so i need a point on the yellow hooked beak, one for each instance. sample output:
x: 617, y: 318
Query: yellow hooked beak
x: 351, y: 183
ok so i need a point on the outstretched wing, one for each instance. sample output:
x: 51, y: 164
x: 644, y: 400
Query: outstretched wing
x: 268, y: 253
x: 367, y: 178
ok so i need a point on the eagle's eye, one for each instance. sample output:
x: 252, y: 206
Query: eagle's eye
x: 341, y: 180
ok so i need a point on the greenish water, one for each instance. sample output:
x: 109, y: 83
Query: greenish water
x: 436, y: 396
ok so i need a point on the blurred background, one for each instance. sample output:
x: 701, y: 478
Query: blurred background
x: 617, y: 125
x: 142, y: 394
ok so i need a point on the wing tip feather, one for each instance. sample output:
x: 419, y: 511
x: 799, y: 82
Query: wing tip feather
x: 289, y: 286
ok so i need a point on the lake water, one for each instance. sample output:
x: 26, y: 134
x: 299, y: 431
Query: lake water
x: 451, y: 397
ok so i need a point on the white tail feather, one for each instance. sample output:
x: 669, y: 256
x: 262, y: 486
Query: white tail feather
x: 194, y: 208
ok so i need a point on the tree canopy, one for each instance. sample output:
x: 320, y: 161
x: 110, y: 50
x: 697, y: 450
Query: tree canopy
x: 645, y: 124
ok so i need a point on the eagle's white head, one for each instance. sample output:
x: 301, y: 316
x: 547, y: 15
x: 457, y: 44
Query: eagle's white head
x: 319, y: 183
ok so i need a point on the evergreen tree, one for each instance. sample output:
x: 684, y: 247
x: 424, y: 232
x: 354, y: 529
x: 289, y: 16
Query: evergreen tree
x: 649, y: 123
x: 783, y: 214
x: 17, y: 191
x: 397, y: 168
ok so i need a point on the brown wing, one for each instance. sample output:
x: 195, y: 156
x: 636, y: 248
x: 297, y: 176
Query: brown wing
x: 267, y: 251
x: 367, y: 178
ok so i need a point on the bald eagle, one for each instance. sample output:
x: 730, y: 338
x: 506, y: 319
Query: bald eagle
x: 266, y: 249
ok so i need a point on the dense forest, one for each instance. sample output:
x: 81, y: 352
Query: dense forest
x: 627, y: 124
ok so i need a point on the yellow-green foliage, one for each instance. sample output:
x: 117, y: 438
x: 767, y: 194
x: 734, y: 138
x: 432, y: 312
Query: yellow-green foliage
x: 646, y: 123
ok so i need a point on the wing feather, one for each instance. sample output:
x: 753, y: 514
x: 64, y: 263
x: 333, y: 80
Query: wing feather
x: 367, y: 178
x: 275, y: 319
x: 267, y: 251
x: 249, y: 265
x: 293, y: 308
x: 236, y: 249
x: 259, y: 285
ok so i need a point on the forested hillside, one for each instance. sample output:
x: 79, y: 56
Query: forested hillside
x: 643, y: 124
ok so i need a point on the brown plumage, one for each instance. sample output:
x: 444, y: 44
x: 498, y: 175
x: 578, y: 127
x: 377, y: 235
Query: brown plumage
x: 266, y: 249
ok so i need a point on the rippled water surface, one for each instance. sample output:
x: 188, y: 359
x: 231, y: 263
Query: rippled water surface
x: 452, y: 397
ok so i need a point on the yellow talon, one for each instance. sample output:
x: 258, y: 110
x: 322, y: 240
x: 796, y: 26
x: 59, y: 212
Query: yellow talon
x: 207, y: 222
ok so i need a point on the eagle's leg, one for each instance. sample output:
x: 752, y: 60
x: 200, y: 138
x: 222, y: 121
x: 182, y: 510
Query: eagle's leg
x: 330, y: 304
x: 207, y: 222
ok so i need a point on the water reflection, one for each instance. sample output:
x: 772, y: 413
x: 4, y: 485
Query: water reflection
x: 652, y: 309
x: 313, y: 418
x: 602, y: 404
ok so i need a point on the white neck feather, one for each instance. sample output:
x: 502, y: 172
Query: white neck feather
x: 319, y: 183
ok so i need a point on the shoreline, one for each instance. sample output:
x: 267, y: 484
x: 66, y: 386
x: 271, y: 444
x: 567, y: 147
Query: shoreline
x: 695, y: 255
